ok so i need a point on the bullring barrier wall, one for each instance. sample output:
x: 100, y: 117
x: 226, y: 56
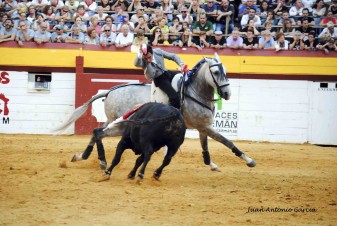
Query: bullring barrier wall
x: 278, y: 97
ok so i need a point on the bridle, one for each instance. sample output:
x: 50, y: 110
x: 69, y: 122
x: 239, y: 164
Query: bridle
x: 222, y: 75
x: 218, y: 87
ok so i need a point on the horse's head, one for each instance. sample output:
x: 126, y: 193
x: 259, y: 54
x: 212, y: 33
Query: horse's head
x: 217, y: 77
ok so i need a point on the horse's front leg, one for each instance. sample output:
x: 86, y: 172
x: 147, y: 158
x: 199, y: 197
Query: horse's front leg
x: 218, y: 137
x: 205, y: 152
x: 85, y: 155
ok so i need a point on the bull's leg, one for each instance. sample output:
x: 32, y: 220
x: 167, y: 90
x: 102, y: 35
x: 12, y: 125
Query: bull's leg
x: 166, y: 162
x: 205, y: 152
x: 147, y: 156
x: 122, y: 145
x: 138, y: 163
x: 218, y: 137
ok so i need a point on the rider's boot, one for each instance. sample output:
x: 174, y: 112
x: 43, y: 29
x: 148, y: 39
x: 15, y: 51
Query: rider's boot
x: 175, y: 102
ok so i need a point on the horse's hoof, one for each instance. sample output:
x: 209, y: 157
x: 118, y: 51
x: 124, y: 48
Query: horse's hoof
x: 131, y: 177
x: 251, y: 164
x: 104, y: 177
x: 216, y: 169
x: 103, y: 165
x: 76, y: 157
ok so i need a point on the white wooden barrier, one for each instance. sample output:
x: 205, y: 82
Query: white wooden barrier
x: 259, y: 110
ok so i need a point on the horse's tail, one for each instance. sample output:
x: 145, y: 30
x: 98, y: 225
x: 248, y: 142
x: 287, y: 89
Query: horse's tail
x: 80, y: 111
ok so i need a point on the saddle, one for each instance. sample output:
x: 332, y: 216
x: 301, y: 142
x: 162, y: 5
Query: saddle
x: 157, y: 95
x: 179, y: 83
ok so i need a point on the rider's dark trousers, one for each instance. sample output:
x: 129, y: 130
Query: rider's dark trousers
x: 164, y: 83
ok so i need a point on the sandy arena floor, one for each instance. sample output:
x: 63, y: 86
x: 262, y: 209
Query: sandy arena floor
x: 40, y: 186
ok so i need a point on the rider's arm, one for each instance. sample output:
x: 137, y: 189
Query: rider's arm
x: 139, y: 62
x: 173, y: 57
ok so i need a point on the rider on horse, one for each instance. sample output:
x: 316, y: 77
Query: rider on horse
x: 152, y: 61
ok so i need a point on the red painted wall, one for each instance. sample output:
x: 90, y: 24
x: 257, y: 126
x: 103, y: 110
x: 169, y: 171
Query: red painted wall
x: 85, y: 89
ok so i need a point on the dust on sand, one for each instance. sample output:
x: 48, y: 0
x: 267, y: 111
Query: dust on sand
x: 292, y: 184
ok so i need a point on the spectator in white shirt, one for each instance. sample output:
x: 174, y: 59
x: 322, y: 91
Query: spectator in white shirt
x: 125, y: 38
x: 100, y: 14
x: 296, y: 10
x: 251, y: 16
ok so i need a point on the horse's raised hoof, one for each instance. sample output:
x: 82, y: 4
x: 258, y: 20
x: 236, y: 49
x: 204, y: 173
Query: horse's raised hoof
x: 103, y: 165
x: 251, y: 164
x: 104, y: 177
x: 77, y: 157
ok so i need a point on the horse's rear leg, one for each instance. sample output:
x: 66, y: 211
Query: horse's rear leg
x: 205, y: 152
x: 85, y: 155
x: 218, y: 137
x: 97, y: 137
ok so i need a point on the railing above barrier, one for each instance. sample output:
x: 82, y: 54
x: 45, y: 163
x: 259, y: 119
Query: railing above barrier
x: 255, y: 63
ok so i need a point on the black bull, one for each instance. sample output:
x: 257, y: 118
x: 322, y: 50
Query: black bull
x: 151, y: 127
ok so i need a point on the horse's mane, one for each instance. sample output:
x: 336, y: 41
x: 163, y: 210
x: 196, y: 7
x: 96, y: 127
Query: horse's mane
x: 193, y: 72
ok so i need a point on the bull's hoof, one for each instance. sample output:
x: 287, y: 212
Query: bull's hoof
x: 131, y: 176
x: 155, y: 176
x: 139, y: 180
x: 103, y: 165
x: 251, y: 164
x: 77, y: 157
x: 104, y: 177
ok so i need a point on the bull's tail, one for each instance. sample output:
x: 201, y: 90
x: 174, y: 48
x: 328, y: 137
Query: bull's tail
x: 80, y: 111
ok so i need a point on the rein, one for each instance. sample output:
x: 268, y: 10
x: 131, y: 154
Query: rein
x: 219, y: 65
x: 200, y: 103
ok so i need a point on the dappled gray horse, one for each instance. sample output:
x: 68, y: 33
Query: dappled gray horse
x: 197, y: 109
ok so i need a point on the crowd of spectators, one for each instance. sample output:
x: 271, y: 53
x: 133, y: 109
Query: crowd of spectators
x: 239, y: 24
